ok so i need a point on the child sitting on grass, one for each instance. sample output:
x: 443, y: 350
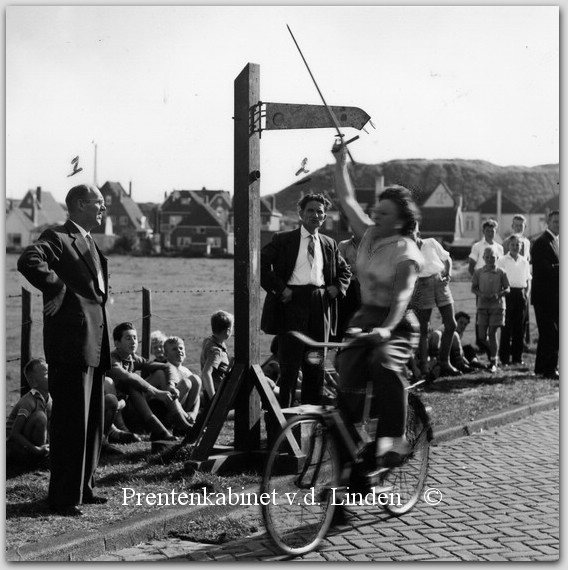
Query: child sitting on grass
x: 138, y: 414
x: 214, y: 360
x: 27, y: 424
x: 490, y: 285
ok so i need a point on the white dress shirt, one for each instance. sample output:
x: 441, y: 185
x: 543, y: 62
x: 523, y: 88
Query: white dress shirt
x: 306, y: 273
x: 518, y: 271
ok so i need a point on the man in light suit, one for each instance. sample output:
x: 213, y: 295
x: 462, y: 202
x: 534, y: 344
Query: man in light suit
x: 68, y: 268
x: 303, y: 273
x: 545, y: 296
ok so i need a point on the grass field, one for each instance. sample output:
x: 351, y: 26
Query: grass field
x: 185, y: 292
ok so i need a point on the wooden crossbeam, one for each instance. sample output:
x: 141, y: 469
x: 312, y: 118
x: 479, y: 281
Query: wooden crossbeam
x: 217, y: 413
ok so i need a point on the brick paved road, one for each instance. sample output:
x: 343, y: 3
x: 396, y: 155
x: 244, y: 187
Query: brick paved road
x: 500, y: 503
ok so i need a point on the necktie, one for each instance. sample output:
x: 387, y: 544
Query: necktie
x: 96, y: 261
x: 311, y: 250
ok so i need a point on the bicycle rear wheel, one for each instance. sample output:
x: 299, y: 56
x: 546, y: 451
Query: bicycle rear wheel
x: 407, y: 481
x: 301, y: 491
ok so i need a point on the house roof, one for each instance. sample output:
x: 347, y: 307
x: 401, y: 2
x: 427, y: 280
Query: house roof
x: 421, y: 197
x: 266, y: 207
x: 174, y: 202
x: 48, y: 210
x: 131, y: 208
x: 551, y: 204
x: 507, y: 206
x: 436, y: 220
x: 22, y: 217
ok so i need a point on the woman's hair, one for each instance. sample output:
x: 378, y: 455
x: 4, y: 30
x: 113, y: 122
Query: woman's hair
x: 407, y: 209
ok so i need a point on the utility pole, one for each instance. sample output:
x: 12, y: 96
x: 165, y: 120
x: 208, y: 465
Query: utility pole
x: 95, y: 168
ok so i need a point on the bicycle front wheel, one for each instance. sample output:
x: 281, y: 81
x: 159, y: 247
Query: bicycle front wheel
x: 301, y: 484
x: 407, y: 481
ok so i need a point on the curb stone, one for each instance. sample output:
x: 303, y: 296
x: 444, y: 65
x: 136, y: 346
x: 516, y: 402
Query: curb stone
x: 82, y: 546
x: 495, y: 420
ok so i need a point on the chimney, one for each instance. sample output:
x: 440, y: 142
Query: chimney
x: 379, y: 185
x: 273, y: 202
x: 130, y: 189
x: 204, y: 194
x: 38, y: 194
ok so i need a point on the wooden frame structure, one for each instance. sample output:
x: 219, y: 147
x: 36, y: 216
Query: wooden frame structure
x: 246, y: 384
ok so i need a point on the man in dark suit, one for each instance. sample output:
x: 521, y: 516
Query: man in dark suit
x: 546, y: 296
x: 68, y: 268
x: 303, y: 273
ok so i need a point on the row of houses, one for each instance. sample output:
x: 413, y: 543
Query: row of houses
x: 193, y: 221
x: 200, y: 222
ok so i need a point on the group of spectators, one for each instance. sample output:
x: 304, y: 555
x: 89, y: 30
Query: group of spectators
x: 86, y: 397
x: 157, y: 397
x: 93, y: 398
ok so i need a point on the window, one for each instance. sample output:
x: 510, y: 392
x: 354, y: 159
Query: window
x: 175, y: 220
x: 214, y: 241
x: 183, y: 241
x: 199, y: 229
x: 108, y: 200
x: 469, y: 224
x: 123, y: 220
x: 15, y: 240
x: 185, y: 201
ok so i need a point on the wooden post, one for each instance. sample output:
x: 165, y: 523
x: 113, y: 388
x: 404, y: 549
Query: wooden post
x: 146, y: 321
x: 26, y: 338
x: 247, y: 253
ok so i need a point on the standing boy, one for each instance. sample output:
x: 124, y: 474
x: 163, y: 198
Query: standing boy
x: 490, y: 285
x: 26, y: 427
x: 518, y: 273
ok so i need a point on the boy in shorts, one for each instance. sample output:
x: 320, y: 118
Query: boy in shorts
x: 490, y: 285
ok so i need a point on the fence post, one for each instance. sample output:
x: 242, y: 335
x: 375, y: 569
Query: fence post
x: 146, y: 321
x: 26, y: 338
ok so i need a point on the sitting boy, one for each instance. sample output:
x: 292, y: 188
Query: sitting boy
x: 27, y: 424
x: 137, y: 413
x: 157, y: 339
x: 187, y: 383
x: 462, y: 357
x: 214, y: 359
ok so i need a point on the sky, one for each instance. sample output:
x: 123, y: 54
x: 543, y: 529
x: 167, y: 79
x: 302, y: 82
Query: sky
x: 152, y: 89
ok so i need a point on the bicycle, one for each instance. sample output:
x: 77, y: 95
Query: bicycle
x: 304, y: 480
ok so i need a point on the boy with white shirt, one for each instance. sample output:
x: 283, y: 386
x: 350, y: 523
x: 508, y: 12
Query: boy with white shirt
x: 518, y: 273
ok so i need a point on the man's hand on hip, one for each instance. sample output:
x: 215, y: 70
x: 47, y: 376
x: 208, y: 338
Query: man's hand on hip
x: 53, y: 305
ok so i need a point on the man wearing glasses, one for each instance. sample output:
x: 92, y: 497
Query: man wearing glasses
x: 67, y: 267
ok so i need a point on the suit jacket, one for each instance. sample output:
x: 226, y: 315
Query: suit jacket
x: 78, y: 333
x: 277, y: 261
x: 546, y: 272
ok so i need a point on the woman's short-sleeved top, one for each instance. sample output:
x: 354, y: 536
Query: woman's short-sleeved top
x: 377, y: 261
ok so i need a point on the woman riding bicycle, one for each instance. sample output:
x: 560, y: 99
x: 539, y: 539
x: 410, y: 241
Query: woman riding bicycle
x: 388, y: 263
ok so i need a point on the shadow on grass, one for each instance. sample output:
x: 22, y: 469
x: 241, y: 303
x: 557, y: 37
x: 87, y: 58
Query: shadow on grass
x: 32, y: 509
x: 475, y: 380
